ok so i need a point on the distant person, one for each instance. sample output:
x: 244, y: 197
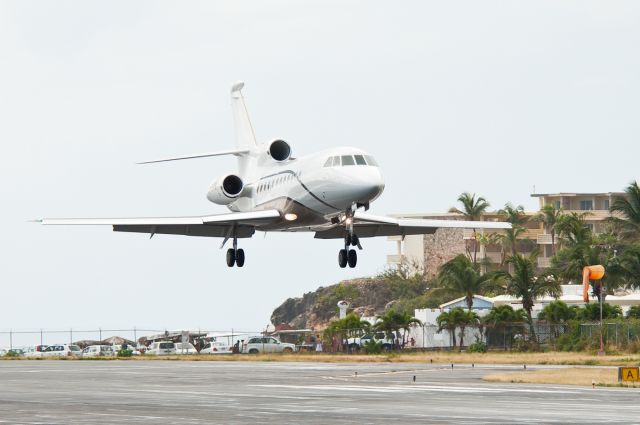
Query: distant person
x: 236, y: 347
x: 319, y: 346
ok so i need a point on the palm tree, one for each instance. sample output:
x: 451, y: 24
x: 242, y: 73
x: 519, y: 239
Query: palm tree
x: 392, y: 321
x: 557, y: 313
x: 629, y: 207
x: 447, y: 320
x: 517, y: 218
x: 406, y: 321
x: 524, y: 284
x: 460, y: 277
x: 501, y: 320
x: 549, y: 215
x: 349, y: 326
x: 572, y: 229
x: 464, y: 320
x: 472, y: 209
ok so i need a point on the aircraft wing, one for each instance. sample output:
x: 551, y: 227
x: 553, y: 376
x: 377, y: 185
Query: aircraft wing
x: 370, y: 225
x: 221, y: 225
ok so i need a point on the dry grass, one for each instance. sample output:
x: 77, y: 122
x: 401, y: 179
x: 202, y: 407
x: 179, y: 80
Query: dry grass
x: 570, y: 376
x: 550, y: 358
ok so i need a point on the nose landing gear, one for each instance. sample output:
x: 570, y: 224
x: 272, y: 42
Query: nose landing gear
x: 346, y: 255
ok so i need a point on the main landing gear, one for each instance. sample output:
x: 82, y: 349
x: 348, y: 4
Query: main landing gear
x: 235, y: 255
x: 346, y: 255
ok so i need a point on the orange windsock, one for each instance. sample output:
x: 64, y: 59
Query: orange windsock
x: 590, y: 273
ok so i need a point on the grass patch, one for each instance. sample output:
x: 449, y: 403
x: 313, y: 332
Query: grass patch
x: 546, y: 358
x: 570, y: 376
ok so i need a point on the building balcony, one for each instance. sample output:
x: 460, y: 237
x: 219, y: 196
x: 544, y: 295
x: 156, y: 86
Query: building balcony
x: 544, y: 262
x: 395, y: 259
x: 544, y: 239
x: 493, y: 257
x: 467, y: 234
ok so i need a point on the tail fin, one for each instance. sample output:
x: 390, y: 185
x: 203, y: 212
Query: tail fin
x: 245, y: 137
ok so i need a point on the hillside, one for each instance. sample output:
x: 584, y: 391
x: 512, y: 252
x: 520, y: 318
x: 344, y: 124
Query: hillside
x: 368, y: 297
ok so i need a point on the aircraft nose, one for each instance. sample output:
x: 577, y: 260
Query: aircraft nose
x: 372, y: 186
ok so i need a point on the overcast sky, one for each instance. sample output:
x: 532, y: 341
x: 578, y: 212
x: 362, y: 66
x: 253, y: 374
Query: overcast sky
x: 486, y: 97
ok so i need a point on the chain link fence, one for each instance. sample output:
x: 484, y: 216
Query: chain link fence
x: 511, y: 336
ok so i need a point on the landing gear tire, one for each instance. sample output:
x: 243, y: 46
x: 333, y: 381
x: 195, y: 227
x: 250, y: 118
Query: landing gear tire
x: 231, y: 257
x: 343, y: 258
x: 240, y: 257
x: 352, y: 258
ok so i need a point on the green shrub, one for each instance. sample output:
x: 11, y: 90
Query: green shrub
x: 372, y: 347
x: 124, y: 353
x: 477, y: 347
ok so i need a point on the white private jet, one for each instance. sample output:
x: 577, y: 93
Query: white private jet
x: 323, y: 193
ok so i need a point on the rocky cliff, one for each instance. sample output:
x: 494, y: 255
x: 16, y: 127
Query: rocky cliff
x: 368, y: 297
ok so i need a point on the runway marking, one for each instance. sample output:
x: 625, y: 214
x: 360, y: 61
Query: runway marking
x: 410, y: 388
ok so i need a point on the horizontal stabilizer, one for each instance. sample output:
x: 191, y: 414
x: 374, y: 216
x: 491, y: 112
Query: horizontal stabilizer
x: 236, y: 152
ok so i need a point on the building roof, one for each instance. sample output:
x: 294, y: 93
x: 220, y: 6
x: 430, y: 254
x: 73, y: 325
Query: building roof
x: 484, y: 302
x: 539, y: 195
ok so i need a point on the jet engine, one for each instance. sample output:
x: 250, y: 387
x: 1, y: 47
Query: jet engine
x: 279, y: 150
x: 225, y: 190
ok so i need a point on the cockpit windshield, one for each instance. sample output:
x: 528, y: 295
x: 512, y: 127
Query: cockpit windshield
x: 346, y: 160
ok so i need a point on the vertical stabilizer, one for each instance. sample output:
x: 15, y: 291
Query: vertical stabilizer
x: 245, y: 137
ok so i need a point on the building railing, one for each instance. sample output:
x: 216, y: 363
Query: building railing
x: 395, y: 259
x: 544, y: 239
x: 544, y: 262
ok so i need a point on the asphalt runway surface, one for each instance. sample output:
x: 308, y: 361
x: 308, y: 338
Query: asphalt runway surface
x: 184, y: 392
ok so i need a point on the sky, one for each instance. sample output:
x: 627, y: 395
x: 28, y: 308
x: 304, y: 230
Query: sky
x: 492, y: 97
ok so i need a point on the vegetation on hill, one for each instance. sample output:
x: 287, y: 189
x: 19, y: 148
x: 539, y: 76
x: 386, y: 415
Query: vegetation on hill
x: 574, y: 245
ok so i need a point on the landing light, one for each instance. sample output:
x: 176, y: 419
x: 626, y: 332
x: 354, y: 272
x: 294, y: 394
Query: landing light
x: 290, y: 217
x: 348, y: 220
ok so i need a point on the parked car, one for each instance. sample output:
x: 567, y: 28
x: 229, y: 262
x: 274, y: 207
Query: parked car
x: 118, y: 347
x: 15, y: 352
x: 62, y: 350
x: 380, y: 337
x: 98, y: 351
x: 162, y: 348
x: 216, y: 347
x: 267, y: 344
x: 34, y: 351
x: 185, y: 348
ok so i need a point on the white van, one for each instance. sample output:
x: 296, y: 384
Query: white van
x: 162, y: 348
x: 216, y: 347
x: 61, y: 350
x: 98, y: 351
x: 185, y: 348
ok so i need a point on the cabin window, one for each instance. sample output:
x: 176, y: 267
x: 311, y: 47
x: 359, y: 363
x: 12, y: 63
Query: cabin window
x: 347, y: 160
x: 329, y: 162
x: 371, y: 161
x: 360, y: 160
x: 336, y: 161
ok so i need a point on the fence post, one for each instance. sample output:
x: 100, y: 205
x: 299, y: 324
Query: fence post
x: 100, y: 333
x: 70, y: 335
x: 10, y: 339
x: 41, y: 344
x: 135, y: 336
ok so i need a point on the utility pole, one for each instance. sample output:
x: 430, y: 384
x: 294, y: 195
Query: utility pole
x: 601, y: 352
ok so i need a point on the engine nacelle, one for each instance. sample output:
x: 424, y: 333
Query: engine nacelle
x: 279, y: 150
x: 225, y: 190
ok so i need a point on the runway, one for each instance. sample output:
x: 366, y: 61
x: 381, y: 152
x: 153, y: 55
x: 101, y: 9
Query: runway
x: 184, y: 392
